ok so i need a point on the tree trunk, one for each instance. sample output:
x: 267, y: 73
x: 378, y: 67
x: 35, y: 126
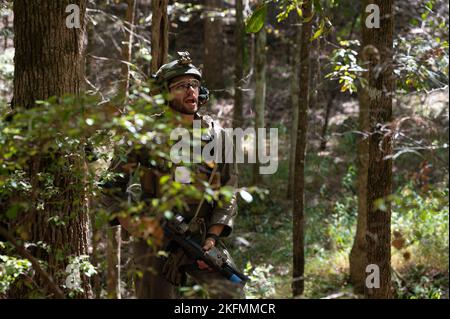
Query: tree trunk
x: 113, y: 261
x: 329, y: 106
x: 213, y: 42
x: 378, y: 49
x: 299, y: 183
x: 239, y: 66
x: 294, y: 100
x: 5, y: 34
x: 127, y: 51
x: 314, y: 77
x: 358, y: 254
x: 49, y: 61
x: 260, y: 94
x: 160, y: 34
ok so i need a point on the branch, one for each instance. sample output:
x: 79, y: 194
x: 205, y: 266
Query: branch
x: 25, y: 254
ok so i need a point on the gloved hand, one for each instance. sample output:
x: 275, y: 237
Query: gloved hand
x: 209, y: 243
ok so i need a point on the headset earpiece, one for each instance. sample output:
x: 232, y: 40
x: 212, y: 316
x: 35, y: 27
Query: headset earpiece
x: 203, y: 96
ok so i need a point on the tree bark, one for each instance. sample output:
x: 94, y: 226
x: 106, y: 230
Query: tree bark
x: 49, y: 61
x: 160, y: 34
x: 49, y: 57
x: 113, y: 261
x: 260, y: 94
x: 213, y: 45
x: 358, y: 254
x: 239, y: 66
x: 294, y: 100
x: 5, y: 27
x: 299, y: 183
x: 378, y: 50
x: 329, y: 106
x: 127, y: 46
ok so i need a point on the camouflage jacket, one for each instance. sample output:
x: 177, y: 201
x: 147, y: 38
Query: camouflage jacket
x: 144, y: 185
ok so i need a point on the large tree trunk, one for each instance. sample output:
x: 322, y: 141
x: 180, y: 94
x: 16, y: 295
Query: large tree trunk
x: 239, y: 66
x: 160, y: 34
x: 49, y: 61
x: 213, y: 42
x: 378, y: 50
x: 49, y: 57
x: 260, y: 94
x: 299, y: 183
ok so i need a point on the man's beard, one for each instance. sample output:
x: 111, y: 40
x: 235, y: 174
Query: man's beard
x: 181, y: 109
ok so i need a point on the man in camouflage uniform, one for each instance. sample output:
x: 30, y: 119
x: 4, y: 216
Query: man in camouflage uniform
x: 209, y: 223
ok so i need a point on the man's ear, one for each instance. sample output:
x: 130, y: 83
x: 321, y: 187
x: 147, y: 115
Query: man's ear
x: 203, y: 95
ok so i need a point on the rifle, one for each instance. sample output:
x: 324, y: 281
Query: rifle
x: 176, y: 229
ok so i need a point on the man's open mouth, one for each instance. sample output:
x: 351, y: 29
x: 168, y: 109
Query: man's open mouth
x: 190, y: 101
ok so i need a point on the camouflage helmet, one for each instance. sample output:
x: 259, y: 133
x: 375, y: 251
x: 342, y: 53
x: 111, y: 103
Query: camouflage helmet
x: 182, y: 66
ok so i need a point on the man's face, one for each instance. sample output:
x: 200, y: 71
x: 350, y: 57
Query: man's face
x: 184, y: 90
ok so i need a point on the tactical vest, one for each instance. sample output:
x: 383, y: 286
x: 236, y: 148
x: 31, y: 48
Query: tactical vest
x: 149, y: 177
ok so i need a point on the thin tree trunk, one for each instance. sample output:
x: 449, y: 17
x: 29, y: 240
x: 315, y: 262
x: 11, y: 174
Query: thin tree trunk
x: 314, y: 75
x: 294, y: 100
x: 299, y: 183
x: 329, y: 106
x: 127, y: 46
x: 160, y: 34
x: 213, y: 45
x: 358, y: 254
x: 5, y: 27
x: 260, y: 94
x: 49, y: 61
x: 378, y: 49
x: 239, y: 66
x: 113, y: 261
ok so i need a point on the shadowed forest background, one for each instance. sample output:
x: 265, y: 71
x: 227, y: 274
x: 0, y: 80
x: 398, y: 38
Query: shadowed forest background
x: 352, y: 160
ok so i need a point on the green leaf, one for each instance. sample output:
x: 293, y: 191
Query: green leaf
x: 319, y: 32
x: 163, y: 180
x: 256, y: 20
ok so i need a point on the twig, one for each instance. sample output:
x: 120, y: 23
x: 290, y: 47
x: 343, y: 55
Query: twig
x: 24, y: 253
